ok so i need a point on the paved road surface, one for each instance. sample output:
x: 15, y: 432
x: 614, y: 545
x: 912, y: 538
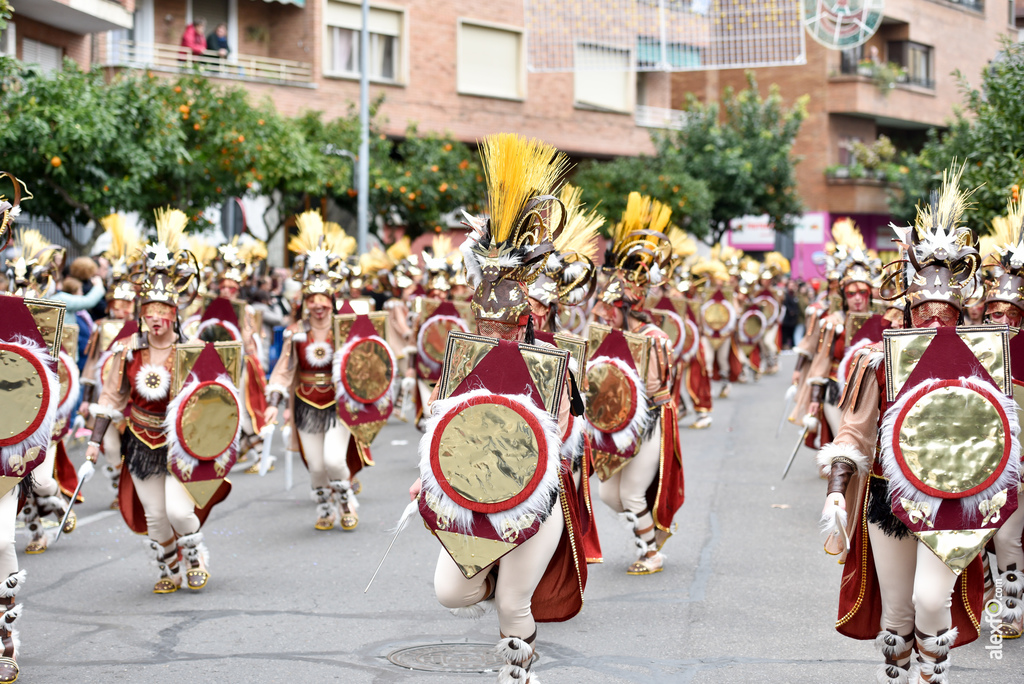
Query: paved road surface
x: 747, y: 593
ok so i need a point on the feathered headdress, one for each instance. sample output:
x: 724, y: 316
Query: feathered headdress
x: 940, y: 250
x: 775, y: 265
x: 124, y: 248
x: 569, y: 274
x: 9, y: 211
x: 165, y: 269
x: 1005, y: 250
x: 318, y: 266
x: 502, y: 251
x: 31, y: 273
x: 639, y: 251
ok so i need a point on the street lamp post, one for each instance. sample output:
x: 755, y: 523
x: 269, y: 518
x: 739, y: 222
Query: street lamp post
x: 363, y: 201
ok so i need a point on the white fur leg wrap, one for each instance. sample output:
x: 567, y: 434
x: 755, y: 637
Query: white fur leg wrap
x: 475, y: 611
x: 193, y: 548
x: 513, y: 674
x: 1012, y: 609
x: 11, y: 616
x: 629, y: 520
x: 343, y: 488
x: 937, y: 673
x: 514, y: 651
x: 831, y: 451
x: 1013, y: 583
x: 890, y: 674
x: 9, y: 587
x: 892, y: 645
x: 940, y: 646
x: 642, y: 548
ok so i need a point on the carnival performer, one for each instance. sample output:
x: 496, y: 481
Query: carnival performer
x: 569, y: 276
x: 1004, y: 305
x: 719, y: 318
x: 177, y: 455
x: 895, y: 504
x: 119, y: 325
x: 855, y: 270
x: 303, y: 376
x: 639, y: 463
x: 533, y: 566
x: 31, y: 275
x: 769, y: 299
x: 31, y: 396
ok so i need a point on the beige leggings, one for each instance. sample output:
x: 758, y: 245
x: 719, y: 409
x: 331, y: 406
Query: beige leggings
x: 626, y: 490
x: 112, y: 447
x: 521, y: 572
x: 916, y: 587
x: 326, y: 454
x: 169, y: 510
x: 1007, y: 540
x: 8, y: 514
x: 43, y: 483
x: 833, y: 416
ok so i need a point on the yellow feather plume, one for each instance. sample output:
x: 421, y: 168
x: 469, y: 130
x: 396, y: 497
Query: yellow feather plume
x: 1005, y: 229
x: 516, y: 169
x: 252, y: 252
x: 400, y: 250
x: 845, y: 233
x: 31, y: 242
x: 581, y: 227
x: 311, y: 229
x: 776, y: 262
x: 683, y: 245
x: 204, y: 252
x: 441, y: 246
x: 711, y: 269
x: 124, y: 241
x: 375, y: 260
x: 642, y: 213
x: 952, y: 203
x: 170, y: 227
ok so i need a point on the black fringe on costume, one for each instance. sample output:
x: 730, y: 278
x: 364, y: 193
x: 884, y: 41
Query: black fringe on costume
x: 880, y: 511
x: 832, y: 393
x: 653, y: 422
x: 311, y: 419
x: 142, y: 461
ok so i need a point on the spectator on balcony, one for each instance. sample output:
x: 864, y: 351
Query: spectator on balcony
x: 218, y: 41
x: 194, y: 37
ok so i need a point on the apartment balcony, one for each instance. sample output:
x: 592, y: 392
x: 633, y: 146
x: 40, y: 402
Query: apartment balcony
x: 904, y: 105
x: 80, y: 17
x: 857, y: 195
x: 175, y: 59
x: 659, y: 117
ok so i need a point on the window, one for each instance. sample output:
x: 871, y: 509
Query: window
x: 48, y: 57
x: 490, y: 61
x: 849, y: 59
x: 916, y: 59
x: 344, y: 22
x: 603, y: 78
x: 8, y: 44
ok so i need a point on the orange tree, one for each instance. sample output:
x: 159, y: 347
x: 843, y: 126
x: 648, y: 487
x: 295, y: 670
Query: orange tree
x: 425, y: 177
x: 85, y: 147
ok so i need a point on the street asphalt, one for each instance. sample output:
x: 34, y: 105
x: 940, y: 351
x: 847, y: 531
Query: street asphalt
x: 747, y: 594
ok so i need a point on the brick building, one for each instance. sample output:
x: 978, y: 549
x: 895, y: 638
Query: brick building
x: 930, y: 39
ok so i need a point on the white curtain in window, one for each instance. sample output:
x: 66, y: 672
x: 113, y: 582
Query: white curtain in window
x: 343, y: 46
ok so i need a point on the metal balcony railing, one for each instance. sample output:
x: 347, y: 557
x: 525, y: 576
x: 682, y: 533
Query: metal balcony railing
x: 659, y: 117
x: 162, y: 57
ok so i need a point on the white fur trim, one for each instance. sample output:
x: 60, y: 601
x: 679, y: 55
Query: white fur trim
x: 574, y: 442
x: 833, y: 520
x: 475, y: 611
x: 514, y: 651
x: 817, y: 380
x: 628, y: 436
x: 830, y: 451
x: 513, y: 674
x: 686, y: 354
x: 300, y: 336
x: 1011, y: 609
x: 537, y: 504
x: 10, y: 586
x: 470, y: 260
x: 889, y: 644
x: 811, y: 423
x: 427, y: 361
x: 342, y: 396
x: 901, y: 487
x: 74, y: 388
x: 227, y: 325
x: 193, y: 548
x: 274, y: 387
x: 848, y: 355
x: 319, y: 361
x: 1013, y: 582
x: 343, y: 488
x: 882, y: 675
x: 160, y: 375
x: 184, y: 460
x: 746, y: 339
x: 12, y: 455
x: 940, y: 645
x: 677, y: 351
x: 731, y: 325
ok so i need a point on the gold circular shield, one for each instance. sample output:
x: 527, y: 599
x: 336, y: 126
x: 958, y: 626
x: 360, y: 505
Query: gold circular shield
x: 64, y: 375
x: 768, y: 306
x: 717, y: 316
x: 952, y: 439
x: 488, y: 453
x: 611, y: 398
x: 368, y: 371
x: 670, y: 324
x: 752, y: 326
x: 217, y: 333
x: 208, y: 421
x: 23, y: 395
x: 435, y: 337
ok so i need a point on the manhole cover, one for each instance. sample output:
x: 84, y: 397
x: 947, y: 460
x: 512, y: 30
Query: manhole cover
x: 459, y: 657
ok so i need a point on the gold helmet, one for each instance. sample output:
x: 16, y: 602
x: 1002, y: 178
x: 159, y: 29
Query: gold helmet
x: 568, y: 275
x: 1004, y: 252
x: 319, y: 265
x: 32, y: 272
x: 9, y: 210
x: 123, y: 251
x: 502, y: 251
x: 638, y: 252
x: 166, y: 269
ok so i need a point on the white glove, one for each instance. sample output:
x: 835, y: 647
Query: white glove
x: 86, y: 471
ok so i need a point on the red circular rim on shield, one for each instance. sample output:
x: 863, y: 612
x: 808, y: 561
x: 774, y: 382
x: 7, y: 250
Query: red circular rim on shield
x: 344, y: 376
x: 181, y: 415
x: 37, y: 421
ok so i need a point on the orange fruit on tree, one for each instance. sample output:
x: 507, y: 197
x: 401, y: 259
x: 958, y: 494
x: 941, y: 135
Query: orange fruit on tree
x: 55, y: 162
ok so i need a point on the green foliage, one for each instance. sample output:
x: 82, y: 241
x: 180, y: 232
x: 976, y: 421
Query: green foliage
x: 606, y: 186
x: 425, y: 177
x: 988, y: 134
x: 727, y: 161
